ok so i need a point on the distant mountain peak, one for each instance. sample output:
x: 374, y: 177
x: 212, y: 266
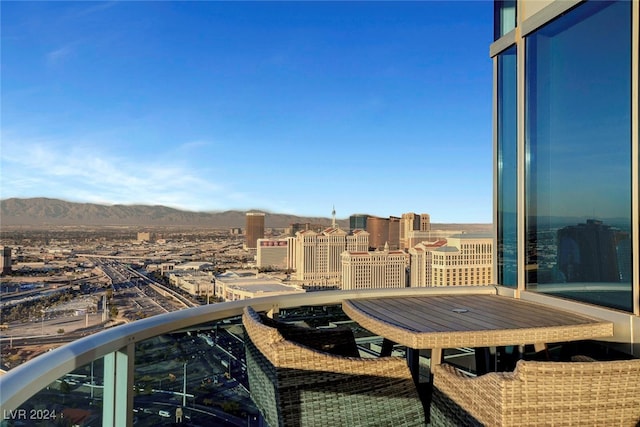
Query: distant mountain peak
x: 42, y: 211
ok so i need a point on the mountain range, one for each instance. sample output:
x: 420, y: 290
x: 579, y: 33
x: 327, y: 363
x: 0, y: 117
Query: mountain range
x: 42, y: 212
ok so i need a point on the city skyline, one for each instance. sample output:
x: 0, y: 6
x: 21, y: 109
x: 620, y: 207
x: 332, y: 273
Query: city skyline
x: 282, y: 107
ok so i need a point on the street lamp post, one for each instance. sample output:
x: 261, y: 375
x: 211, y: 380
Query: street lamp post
x: 184, y: 386
x: 92, y: 383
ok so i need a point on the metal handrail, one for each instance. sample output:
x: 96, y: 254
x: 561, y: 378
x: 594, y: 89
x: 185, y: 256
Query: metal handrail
x: 21, y: 383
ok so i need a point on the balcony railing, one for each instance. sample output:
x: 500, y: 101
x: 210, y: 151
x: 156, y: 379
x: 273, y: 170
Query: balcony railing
x: 117, y: 346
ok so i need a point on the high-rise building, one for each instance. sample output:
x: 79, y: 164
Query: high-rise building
x: 411, y: 223
x: 408, y: 222
x: 358, y: 222
x: 378, y: 229
x: 394, y: 233
x: 5, y: 260
x: 588, y: 253
x: 420, y: 261
x: 254, y: 229
x: 318, y: 255
x: 374, y: 269
x: 466, y: 259
x: 425, y: 222
x: 566, y: 146
x: 298, y: 226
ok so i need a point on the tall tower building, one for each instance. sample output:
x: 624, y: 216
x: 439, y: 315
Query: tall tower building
x: 394, y: 233
x: 378, y: 229
x: 425, y: 222
x: 5, y: 260
x: 254, y: 229
x: 408, y: 223
x: 588, y: 253
x: 358, y: 222
x: 413, y: 229
x: 298, y: 226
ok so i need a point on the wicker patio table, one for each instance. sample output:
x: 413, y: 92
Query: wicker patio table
x: 478, y: 320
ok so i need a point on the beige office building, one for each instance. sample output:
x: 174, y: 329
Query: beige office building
x: 467, y: 259
x: 318, y: 255
x: 410, y: 223
x: 374, y: 270
x: 420, y: 258
x: 425, y: 222
x: 273, y: 253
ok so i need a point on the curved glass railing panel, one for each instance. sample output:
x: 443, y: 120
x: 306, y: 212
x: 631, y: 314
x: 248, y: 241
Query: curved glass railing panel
x: 73, y: 399
x: 150, y: 358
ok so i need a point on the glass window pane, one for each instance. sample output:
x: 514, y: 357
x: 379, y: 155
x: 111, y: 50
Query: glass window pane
x: 507, y: 168
x: 578, y: 142
x: 504, y: 17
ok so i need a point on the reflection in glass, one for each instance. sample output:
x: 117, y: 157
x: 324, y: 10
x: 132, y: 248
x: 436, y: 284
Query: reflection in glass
x: 507, y: 168
x: 504, y: 17
x: 199, y: 374
x: 578, y: 142
x: 74, y: 399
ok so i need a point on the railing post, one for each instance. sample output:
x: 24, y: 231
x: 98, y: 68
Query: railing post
x: 117, y: 409
x: 274, y: 312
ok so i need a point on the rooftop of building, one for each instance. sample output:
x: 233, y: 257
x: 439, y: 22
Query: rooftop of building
x: 447, y: 249
x: 260, y: 285
x: 472, y: 236
x: 193, y: 265
x: 230, y: 274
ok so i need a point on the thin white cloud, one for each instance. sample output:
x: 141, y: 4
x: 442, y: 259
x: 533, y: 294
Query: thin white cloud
x: 58, y: 55
x: 194, y: 145
x: 52, y: 169
x: 97, y: 7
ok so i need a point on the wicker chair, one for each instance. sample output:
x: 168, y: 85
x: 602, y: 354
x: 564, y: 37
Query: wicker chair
x: 588, y: 393
x: 339, y: 340
x: 295, y: 385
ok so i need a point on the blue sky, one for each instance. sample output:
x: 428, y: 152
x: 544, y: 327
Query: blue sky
x: 291, y: 107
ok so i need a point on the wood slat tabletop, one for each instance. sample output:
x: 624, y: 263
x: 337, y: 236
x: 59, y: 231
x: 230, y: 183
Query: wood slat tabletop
x: 446, y: 321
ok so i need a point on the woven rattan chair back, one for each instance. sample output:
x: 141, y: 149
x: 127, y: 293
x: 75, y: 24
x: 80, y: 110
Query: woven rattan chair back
x: 295, y: 385
x: 588, y: 393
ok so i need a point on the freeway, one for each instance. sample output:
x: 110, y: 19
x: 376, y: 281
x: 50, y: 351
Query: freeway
x: 120, y: 273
